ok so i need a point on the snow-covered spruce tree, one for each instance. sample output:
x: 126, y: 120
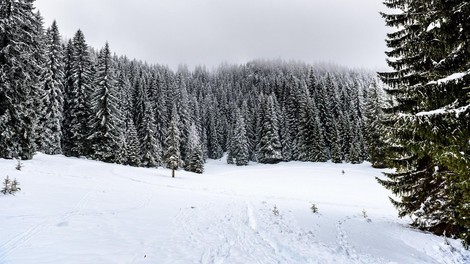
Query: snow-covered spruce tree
x: 284, y: 133
x: 196, y: 158
x: 336, y: 153
x: 78, y: 109
x: 250, y: 122
x: 306, y: 123
x: 320, y: 151
x: 20, y: 70
x: 150, y: 147
x: 130, y: 152
x: 53, y: 100
x: 40, y: 93
x: 105, y: 130
x: 373, y: 127
x: 316, y: 91
x: 240, y: 141
x: 270, y: 149
x: 428, y: 123
x: 184, y: 123
x: 214, y: 148
x: 329, y: 116
x: 292, y: 114
x: 311, y: 144
x: 172, y: 157
x: 355, y: 154
x: 230, y: 146
x: 139, y: 98
x: 68, y: 94
x: 157, y: 98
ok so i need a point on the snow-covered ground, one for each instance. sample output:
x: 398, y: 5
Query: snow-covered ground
x: 80, y: 211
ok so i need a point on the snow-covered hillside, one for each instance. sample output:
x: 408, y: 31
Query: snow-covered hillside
x: 79, y: 211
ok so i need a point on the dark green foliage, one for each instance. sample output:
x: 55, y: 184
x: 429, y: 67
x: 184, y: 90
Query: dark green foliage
x: 240, y: 142
x: 53, y: 99
x: 150, y: 147
x: 214, y: 148
x: 130, y: 152
x: 105, y: 131
x: 270, y: 149
x: 374, y: 133
x: 20, y: 57
x: 172, y: 157
x: 427, y: 123
x: 286, y: 140
x: 196, y: 159
x: 78, y: 107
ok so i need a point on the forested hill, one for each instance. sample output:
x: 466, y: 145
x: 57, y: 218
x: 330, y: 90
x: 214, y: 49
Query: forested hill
x: 63, y: 97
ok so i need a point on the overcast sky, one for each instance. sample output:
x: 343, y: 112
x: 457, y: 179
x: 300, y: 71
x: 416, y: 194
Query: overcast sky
x: 171, y: 32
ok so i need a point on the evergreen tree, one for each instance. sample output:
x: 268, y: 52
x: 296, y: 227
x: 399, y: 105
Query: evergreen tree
x: 196, y: 159
x: 319, y: 149
x: 373, y: 128
x: 428, y: 122
x: 231, y: 147
x: 307, y: 140
x: 130, y: 151
x: 286, y: 140
x: 184, y: 121
x: 79, y: 107
x: 240, y: 142
x: 20, y: 69
x: 270, y: 149
x: 214, y: 148
x: 172, y: 156
x: 292, y: 112
x: 105, y: 130
x: 336, y: 154
x: 53, y: 100
x: 150, y: 147
x: 69, y: 100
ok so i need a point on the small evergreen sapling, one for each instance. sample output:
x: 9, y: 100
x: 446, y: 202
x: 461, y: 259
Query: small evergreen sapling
x: 14, y: 186
x: 364, y: 213
x: 275, y: 210
x: 314, y: 208
x: 9, y: 186
x: 6, y: 186
x: 19, y: 165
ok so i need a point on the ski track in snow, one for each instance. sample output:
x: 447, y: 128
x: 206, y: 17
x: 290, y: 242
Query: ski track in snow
x: 242, y: 235
x: 227, y: 237
x: 61, y: 220
x: 207, y: 220
x: 343, y: 243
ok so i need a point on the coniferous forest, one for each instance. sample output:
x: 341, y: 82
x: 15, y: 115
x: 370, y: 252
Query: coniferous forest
x: 62, y: 96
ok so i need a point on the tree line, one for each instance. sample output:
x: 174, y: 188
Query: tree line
x: 64, y: 97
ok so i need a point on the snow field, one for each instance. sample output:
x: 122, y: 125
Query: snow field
x: 80, y: 211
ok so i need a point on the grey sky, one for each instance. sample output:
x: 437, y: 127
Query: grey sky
x: 170, y: 32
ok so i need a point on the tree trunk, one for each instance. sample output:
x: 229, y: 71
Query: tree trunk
x: 172, y: 173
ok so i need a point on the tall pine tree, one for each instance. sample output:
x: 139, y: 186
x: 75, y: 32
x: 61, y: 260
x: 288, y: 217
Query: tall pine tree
x: 196, y: 157
x: 53, y: 100
x: 105, y: 130
x: 270, y: 149
x: 20, y: 70
x: 172, y: 157
x: 78, y: 109
x: 428, y: 123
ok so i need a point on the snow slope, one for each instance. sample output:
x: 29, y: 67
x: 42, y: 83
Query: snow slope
x: 81, y: 211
